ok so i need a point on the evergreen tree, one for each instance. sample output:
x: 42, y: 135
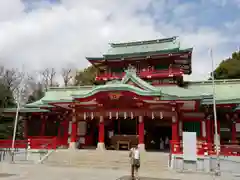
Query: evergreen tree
x: 229, y: 68
x: 86, y: 77
x: 6, y: 101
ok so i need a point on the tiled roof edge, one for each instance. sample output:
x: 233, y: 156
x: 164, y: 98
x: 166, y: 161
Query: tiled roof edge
x: 135, y: 43
x: 70, y: 88
x: 222, y: 81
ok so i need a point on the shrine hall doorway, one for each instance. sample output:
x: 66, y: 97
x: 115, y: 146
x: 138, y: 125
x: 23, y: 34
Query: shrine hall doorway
x: 158, y: 131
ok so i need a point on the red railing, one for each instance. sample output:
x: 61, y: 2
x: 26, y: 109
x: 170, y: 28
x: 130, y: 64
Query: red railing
x: 18, y: 144
x: 204, y: 148
x: 230, y: 150
x: 148, y: 73
x: 32, y: 143
x: 44, y: 143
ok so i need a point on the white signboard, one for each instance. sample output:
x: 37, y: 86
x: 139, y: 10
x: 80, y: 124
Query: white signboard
x: 238, y: 127
x: 82, y: 128
x: 70, y: 127
x: 189, y: 146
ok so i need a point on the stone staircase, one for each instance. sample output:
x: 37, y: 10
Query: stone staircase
x: 153, y: 161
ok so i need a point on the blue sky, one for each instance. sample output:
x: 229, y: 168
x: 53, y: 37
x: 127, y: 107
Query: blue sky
x: 53, y: 33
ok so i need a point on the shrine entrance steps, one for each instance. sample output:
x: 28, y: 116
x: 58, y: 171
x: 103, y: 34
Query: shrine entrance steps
x: 150, y: 161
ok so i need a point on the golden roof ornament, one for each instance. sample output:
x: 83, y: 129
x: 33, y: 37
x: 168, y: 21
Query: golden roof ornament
x: 131, y: 69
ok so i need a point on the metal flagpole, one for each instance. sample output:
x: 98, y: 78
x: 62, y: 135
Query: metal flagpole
x: 18, y: 101
x: 216, y: 142
x: 15, y: 126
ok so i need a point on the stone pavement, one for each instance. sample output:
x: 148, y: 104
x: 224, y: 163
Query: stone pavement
x: 44, y: 172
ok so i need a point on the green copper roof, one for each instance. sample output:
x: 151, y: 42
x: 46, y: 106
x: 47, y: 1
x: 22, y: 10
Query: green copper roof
x: 168, y: 45
x: 227, y: 91
x: 38, y: 103
x: 25, y: 110
x: 145, y: 89
x: 138, y: 43
x: 131, y: 76
x: 95, y: 58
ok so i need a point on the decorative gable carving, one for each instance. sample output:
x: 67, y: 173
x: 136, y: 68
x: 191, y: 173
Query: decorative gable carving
x: 133, y: 84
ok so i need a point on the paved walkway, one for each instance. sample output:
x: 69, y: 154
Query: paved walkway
x: 44, y: 172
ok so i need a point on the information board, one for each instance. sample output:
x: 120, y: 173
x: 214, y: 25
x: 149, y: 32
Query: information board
x: 189, y: 146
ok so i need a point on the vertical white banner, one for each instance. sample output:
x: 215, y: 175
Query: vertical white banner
x: 203, y: 128
x: 70, y: 127
x: 190, y: 146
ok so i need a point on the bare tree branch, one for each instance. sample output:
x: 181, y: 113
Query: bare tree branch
x: 1, y: 71
x: 12, y: 78
x: 48, y: 78
x: 67, y: 76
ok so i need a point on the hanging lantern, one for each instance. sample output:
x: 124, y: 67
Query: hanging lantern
x: 125, y: 115
x: 101, y: 119
x: 116, y: 115
x: 131, y: 115
x: 173, y: 118
x: 92, y: 116
x: 110, y: 115
x: 161, y: 115
x: 84, y: 116
x: 153, y: 115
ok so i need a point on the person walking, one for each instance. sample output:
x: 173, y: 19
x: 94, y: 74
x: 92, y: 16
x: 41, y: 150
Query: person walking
x: 167, y: 143
x: 161, y: 144
x: 135, y: 162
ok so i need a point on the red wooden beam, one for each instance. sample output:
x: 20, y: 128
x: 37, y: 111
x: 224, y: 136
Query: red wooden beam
x: 111, y: 94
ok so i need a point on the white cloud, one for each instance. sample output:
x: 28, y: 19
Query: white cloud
x: 10, y: 10
x: 68, y: 32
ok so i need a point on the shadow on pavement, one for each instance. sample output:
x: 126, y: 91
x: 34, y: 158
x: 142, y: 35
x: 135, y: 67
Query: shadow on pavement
x: 4, y: 175
x: 144, y: 178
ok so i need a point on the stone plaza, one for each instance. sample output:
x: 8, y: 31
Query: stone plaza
x: 46, y: 172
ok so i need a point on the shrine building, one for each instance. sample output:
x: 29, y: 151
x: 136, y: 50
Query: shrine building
x: 141, y: 99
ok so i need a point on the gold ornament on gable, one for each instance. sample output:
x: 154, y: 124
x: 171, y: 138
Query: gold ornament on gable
x: 114, y: 96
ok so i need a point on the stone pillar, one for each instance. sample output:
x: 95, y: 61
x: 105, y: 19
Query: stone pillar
x: 72, y: 144
x: 141, y: 144
x: 65, y: 131
x: 101, y: 134
x: 175, y: 142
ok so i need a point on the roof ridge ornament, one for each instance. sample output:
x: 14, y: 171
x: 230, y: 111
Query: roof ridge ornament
x: 131, y: 69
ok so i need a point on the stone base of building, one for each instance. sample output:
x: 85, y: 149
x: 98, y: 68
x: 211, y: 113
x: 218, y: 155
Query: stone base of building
x: 141, y: 147
x: 101, y: 146
x: 202, y: 164
x: 72, y: 145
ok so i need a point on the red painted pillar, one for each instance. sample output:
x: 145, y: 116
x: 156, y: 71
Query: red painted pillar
x: 234, y: 132
x: 101, y: 131
x: 74, y: 132
x: 65, y: 130
x: 175, y: 136
x: 141, y: 131
x: 208, y: 131
x: 175, y: 143
x: 101, y: 134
